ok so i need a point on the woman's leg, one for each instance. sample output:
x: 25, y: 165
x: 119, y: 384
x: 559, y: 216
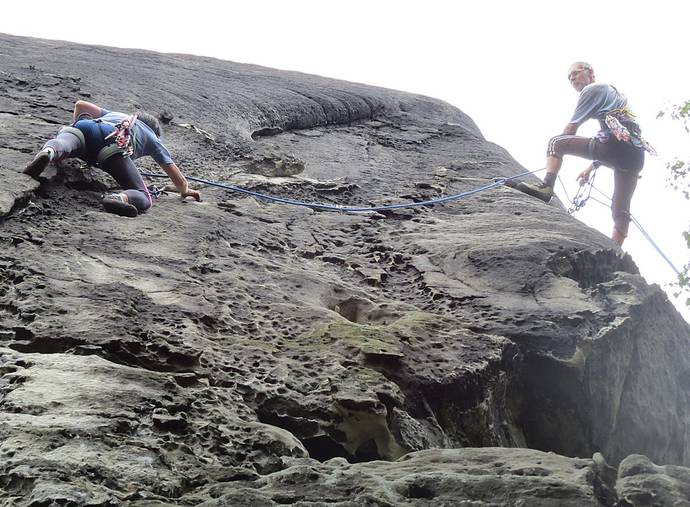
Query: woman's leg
x: 128, y: 177
x: 69, y: 142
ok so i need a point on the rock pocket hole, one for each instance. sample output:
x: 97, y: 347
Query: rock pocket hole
x: 416, y: 490
x: 349, y: 309
x: 323, y: 448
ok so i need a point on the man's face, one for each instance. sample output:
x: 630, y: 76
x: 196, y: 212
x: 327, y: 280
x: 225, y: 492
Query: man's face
x: 580, y: 77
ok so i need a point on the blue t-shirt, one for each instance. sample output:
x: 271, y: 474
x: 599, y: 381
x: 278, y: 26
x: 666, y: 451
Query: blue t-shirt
x: 146, y: 143
x: 596, y: 101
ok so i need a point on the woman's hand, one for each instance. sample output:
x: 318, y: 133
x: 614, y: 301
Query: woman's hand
x: 180, y: 181
x: 190, y: 192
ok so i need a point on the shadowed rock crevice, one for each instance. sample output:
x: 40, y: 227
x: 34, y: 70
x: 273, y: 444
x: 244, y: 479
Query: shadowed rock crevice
x: 580, y: 404
x: 551, y: 410
x: 591, y: 268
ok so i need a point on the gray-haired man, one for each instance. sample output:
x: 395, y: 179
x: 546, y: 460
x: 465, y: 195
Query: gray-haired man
x: 618, y: 145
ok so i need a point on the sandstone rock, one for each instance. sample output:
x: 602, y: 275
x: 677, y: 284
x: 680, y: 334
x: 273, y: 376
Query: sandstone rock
x: 200, y: 347
x: 488, y: 476
x: 641, y: 482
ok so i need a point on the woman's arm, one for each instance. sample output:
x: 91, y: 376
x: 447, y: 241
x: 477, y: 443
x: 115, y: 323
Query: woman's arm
x: 180, y: 181
x: 81, y: 107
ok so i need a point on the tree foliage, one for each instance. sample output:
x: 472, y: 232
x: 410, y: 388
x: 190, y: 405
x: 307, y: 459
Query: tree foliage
x: 679, y: 178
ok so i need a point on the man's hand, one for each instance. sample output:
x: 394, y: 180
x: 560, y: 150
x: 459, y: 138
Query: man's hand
x: 583, y: 177
x: 570, y: 129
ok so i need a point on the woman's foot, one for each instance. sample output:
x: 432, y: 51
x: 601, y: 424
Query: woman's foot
x: 117, y: 204
x: 39, y: 163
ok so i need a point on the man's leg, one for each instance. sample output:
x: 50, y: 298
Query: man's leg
x: 627, y: 161
x: 558, y: 147
x: 136, y: 197
x: 625, y: 183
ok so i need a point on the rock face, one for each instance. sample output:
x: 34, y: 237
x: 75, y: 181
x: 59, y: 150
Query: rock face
x: 244, y: 352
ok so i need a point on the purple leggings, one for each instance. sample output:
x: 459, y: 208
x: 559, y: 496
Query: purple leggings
x: 625, y: 159
x: 122, y: 169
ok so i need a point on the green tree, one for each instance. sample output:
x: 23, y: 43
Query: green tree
x: 679, y: 178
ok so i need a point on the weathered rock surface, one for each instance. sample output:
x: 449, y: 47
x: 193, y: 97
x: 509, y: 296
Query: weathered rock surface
x: 194, y: 353
x: 487, y: 476
x: 641, y: 482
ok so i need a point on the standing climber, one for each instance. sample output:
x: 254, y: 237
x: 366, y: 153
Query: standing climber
x: 618, y: 145
x: 111, y: 140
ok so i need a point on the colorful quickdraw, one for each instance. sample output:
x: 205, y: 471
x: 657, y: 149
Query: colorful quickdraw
x: 123, y: 134
x: 620, y: 132
x: 617, y: 129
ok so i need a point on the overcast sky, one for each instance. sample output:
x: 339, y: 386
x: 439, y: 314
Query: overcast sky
x: 504, y: 63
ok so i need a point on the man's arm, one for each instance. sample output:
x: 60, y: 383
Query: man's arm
x: 570, y: 129
x: 180, y: 181
x: 81, y: 107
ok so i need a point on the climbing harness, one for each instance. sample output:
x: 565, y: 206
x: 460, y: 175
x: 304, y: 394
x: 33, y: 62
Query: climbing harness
x: 617, y: 129
x: 124, y: 134
x: 350, y: 209
x: 617, y: 119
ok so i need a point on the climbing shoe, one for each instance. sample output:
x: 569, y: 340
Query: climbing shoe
x: 115, y: 203
x: 540, y: 191
x: 39, y: 163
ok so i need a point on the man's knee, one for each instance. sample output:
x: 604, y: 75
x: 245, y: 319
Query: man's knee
x: 556, y: 147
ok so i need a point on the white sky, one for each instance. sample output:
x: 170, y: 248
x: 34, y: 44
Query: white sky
x: 502, y: 62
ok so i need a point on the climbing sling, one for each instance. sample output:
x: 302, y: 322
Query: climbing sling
x: 121, y: 139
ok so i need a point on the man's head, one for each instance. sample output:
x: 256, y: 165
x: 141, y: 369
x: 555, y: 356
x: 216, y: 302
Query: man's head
x: 151, y: 121
x: 580, y: 75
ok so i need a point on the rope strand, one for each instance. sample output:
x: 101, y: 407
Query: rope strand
x: 644, y: 233
x: 351, y: 209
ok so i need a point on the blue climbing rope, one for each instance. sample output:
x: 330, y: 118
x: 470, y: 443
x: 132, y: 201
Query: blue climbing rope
x: 351, y: 209
x: 642, y: 230
x: 565, y: 190
x: 578, y: 201
x: 653, y: 243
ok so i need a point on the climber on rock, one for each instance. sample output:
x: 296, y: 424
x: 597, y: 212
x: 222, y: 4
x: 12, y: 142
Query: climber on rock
x: 111, y: 140
x: 618, y: 145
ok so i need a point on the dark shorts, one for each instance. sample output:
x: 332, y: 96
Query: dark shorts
x: 94, y: 134
x: 624, y: 158
x: 613, y: 153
